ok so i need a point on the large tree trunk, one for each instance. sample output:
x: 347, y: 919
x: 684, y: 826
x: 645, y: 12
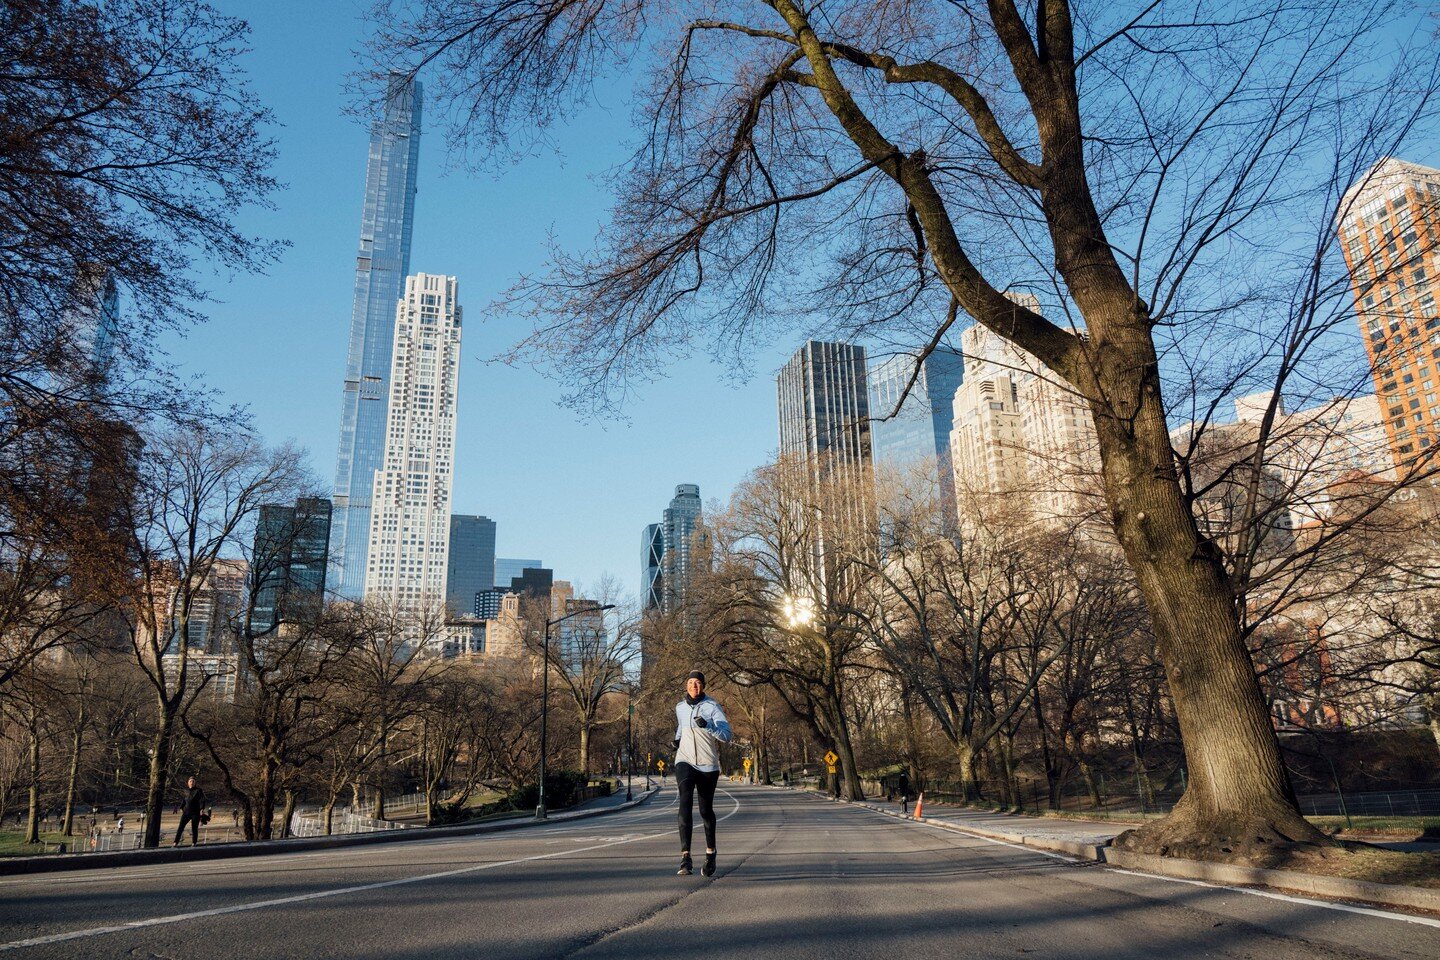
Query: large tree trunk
x: 265, y: 809
x: 287, y: 814
x: 77, y: 741
x: 32, y: 819
x: 159, y: 764
x: 1239, y: 795
x: 585, y: 747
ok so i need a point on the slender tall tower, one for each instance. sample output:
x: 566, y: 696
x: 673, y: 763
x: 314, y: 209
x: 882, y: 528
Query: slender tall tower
x: 381, y: 265
x: 410, y: 528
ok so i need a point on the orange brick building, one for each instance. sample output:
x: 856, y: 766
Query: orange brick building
x: 1390, y: 230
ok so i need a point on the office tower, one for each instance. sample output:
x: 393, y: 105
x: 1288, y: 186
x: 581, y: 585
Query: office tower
x: 1389, y: 228
x: 410, y: 526
x: 91, y: 326
x: 917, y: 434
x: 289, y: 561
x: 472, y: 561
x: 824, y: 408
x: 652, y: 558
x: 381, y: 266
x: 669, y: 548
x: 1020, y: 429
x: 508, y: 568
x: 534, y: 582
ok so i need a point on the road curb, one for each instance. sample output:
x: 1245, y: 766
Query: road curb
x: 1290, y: 881
x: 60, y: 862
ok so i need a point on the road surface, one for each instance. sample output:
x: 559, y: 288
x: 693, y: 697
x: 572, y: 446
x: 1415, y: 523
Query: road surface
x: 800, y: 877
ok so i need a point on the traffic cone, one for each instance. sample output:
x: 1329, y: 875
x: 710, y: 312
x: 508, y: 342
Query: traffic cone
x: 919, y: 804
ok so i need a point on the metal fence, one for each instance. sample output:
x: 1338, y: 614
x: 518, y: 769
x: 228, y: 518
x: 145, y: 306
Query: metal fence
x: 1389, y: 803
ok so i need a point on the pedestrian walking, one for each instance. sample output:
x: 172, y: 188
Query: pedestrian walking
x: 119, y: 824
x: 190, y: 809
x: 700, y: 728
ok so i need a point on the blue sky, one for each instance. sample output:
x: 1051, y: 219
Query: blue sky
x: 575, y: 494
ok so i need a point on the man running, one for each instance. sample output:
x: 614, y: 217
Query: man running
x: 700, y: 728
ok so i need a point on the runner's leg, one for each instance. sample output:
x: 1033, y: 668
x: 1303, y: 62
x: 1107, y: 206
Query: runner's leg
x: 685, y: 785
x: 707, y: 783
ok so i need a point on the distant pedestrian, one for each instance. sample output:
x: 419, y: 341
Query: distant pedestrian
x: 119, y: 824
x: 190, y: 811
x: 700, y: 728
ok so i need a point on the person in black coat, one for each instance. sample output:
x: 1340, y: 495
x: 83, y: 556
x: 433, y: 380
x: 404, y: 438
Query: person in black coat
x: 190, y: 811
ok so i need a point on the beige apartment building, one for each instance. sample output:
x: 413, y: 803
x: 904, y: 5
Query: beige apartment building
x: 1019, y: 428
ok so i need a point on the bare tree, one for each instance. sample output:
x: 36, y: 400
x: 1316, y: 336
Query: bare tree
x: 589, y: 657
x: 201, y: 490
x: 1129, y: 161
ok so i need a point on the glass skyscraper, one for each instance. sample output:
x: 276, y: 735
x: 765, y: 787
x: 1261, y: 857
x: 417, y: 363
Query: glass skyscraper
x: 287, y: 566
x: 508, y: 568
x: 381, y: 265
x: 919, y: 433
x: 824, y: 407
x: 472, y: 561
x: 668, y: 551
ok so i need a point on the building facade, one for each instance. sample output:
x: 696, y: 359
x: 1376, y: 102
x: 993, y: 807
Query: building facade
x: 409, y: 552
x: 915, y: 434
x: 472, y: 561
x: 824, y: 406
x: 1020, y: 429
x: 1390, y: 233
x: 508, y: 568
x: 652, y: 558
x: 382, y: 263
x: 288, y: 564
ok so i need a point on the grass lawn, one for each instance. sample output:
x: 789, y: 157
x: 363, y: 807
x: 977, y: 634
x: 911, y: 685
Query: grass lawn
x: 12, y: 843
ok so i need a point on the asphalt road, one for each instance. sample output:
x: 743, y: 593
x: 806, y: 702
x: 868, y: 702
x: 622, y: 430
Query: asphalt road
x: 799, y: 877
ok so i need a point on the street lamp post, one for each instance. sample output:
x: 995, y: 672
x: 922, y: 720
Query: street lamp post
x: 629, y: 751
x: 545, y: 697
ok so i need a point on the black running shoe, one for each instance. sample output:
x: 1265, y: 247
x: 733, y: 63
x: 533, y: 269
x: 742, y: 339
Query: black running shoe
x: 708, y: 870
x: 685, y: 868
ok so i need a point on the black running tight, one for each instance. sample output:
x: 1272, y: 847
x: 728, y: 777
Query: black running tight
x: 691, y: 781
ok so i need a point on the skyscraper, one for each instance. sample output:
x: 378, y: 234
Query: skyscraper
x: 1390, y: 232
x: 919, y: 432
x: 472, y: 561
x: 508, y: 568
x: 91, y: 326
x: 410, y: 527
x: 1020, y: 429
x: 824, y: 407
x: 288, y: 564
x: 381, y: 266
x: 669, y: 551
x: 652, y: 558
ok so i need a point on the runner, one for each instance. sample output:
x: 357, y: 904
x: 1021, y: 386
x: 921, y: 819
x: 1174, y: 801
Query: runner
x: 700, y: 728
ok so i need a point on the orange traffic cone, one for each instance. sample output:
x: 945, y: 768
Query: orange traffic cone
x: 919, y: 804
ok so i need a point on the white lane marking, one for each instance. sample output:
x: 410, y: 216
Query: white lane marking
x: 168, y: 871
x: 1326, y: 904
x: 322, y: 894
x: 1270, y: 895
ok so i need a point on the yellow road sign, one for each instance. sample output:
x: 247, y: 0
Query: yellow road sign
x: 661, y: 765
x: 747, y: 764
x: 830, y: 767
x: 830, y: 758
